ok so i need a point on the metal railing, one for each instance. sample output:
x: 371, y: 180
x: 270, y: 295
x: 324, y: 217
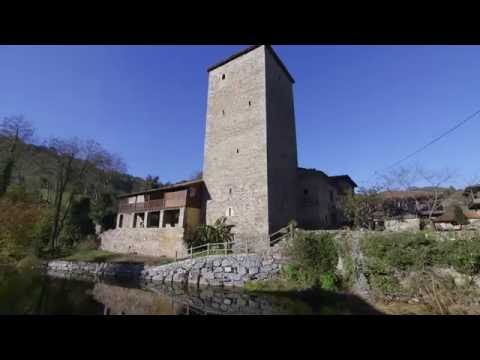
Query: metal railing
x: 220, y: 248
x: 225, y: 248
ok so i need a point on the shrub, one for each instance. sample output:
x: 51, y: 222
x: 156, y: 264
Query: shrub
x: 463, y: 255
x: 18, y: 227
x: 219, y: 232
x: 314, y: 259
x: 387, y: 255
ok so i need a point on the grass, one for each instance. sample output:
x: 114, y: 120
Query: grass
x: 106, y: 256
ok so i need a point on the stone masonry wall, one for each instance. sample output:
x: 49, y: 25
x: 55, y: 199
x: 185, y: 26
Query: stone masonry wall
x: 216, y: 270
x: 281, y: 145
x: 144, y: 241
x: 236, y: 148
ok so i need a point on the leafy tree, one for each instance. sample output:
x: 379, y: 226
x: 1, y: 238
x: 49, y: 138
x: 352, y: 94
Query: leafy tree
x: 103, y: 211
x: 78, y: 223
x: 15, y: 130
x: 219, y: 232
x: 73, y: 162
x: 360, y: 209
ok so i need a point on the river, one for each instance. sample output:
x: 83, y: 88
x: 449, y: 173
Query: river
x: 38, y: 294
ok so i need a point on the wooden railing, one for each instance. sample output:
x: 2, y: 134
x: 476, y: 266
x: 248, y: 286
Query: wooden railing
x: 285, y: 233
x: 156, y: 204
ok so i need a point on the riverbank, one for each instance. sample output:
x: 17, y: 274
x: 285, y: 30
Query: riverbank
x: 215, y: 270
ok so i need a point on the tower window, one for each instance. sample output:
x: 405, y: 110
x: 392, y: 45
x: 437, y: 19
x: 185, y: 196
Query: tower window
x: 230, y: 191
x: 249, y: 103
x: 305, y: 191
x: 223, y: 76
x: 223, y: 112
x: 238, y: 151
x: 229, y: 212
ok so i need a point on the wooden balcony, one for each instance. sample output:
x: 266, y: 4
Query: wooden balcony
x: 175, y: 199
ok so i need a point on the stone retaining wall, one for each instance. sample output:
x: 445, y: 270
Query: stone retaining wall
x: 144, y: 241
x: 215, y: 270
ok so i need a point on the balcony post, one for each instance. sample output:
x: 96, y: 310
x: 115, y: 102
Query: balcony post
x: 161, y: 218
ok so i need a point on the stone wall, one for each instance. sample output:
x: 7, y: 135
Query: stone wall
x: 403, y: 225
x: 281, y: 144
x: 315, y: 209
x: 235, y: 159
x: 216, y: 270
x: 144, y: 241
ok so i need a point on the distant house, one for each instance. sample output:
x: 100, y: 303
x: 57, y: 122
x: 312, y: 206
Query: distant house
x: 456, y: 218
x: 472, y: 193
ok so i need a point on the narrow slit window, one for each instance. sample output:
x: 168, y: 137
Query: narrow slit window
x: 223, y: 76
x: 249, y: 103
x: 223, y: 112
x: 230, y: 191
x: 238, y: 151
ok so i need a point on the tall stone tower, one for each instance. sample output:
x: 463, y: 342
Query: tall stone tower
x: 250, y: 160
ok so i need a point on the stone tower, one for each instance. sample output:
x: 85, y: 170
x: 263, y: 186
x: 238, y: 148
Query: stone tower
x: 250, y: 160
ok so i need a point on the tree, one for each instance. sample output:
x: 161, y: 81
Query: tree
x: 409, y: 180
x: 71, y: 165
x: 219, y: 232
x: 151, y: 182
x: 436, y: 179
x: 360, y: 209
x: 16, y: 131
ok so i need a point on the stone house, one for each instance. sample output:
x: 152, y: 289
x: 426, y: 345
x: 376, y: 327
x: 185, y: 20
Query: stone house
x: 472, y: 193
x: 250, y: 168
x: 155, y: 222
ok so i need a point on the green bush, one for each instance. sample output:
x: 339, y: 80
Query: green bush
x: 314, y: 258
x: 388, y: 254
x: 219, y: 232
x: 463, y: 255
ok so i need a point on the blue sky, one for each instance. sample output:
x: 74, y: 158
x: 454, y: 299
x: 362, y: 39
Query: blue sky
x: 358, y: 108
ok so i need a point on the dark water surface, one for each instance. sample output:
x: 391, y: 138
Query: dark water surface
x: 39, y: 294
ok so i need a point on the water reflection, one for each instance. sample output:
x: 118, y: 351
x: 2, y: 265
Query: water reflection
x: 175, y: 300
x: 35, y: 293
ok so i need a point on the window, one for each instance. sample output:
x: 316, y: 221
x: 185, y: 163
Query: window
x: 139, y: 220
x: 237, y: 151
x: 223, y: 76
x: 153, y: 219
x: 120, y: 221
x: 229, y: 212
x: 305, y: 191
x: 331, y: 196
x: 249, y: 103
x: 223, y: 112
x: 230, y: 191
x: 171, y: 218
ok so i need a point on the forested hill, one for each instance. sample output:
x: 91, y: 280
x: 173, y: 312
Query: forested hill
x: 33, y: 168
